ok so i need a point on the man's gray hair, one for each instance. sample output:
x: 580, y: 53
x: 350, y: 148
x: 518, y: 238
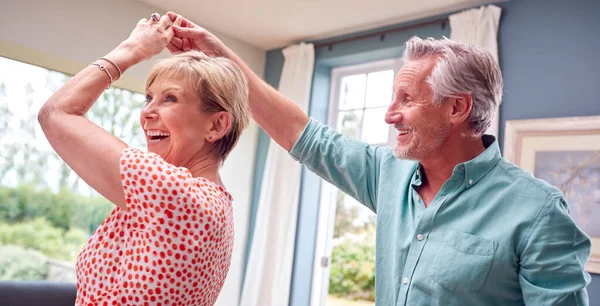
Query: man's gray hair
x: 461, y: 69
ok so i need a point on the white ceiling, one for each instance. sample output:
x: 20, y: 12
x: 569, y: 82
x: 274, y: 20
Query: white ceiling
x: 269, y: 24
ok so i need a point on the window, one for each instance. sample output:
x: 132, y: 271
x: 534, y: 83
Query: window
x: 46, y: 212
x: 345, y: 251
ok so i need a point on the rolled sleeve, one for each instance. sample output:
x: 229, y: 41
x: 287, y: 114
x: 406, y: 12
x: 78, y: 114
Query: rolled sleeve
x: 553, y: 259
x: 349, y: 164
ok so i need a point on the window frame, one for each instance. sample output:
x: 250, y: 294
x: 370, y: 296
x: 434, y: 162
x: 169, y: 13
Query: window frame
x: 70, y: 68
x: 327, y: 202
x: 337, y: 74
x: 61, y: 64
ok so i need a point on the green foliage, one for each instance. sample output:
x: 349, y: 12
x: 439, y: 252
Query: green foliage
x: 64, y: 210
x: 17, y: 263
x: 40, y: 235
x: 352, y: 273
x: 55, y: 224
x: 45, y: 212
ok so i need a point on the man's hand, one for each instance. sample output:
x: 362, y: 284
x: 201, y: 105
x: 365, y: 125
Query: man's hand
x: 281, y: 118
x: 189, y: 36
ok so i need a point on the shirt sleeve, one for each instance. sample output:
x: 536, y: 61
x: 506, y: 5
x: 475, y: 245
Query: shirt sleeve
x: 150, y: 183
x: 553, y: 259
x: 349, y: 164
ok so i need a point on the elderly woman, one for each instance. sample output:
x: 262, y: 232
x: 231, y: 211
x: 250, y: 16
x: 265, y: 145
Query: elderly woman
x: 169, y: 239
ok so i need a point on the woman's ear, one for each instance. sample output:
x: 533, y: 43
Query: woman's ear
x: 220, y: 125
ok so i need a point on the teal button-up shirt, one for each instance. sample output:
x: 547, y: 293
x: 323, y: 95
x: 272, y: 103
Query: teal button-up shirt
x: 494, y: 234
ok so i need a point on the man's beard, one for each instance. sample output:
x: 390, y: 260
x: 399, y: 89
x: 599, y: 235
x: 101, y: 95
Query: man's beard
x: 422, y: 143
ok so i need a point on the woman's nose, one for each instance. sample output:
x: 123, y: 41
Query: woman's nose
x: 149, y: 112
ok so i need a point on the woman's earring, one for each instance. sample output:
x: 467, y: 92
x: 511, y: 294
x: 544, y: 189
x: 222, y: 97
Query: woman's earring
x: 209, y: 138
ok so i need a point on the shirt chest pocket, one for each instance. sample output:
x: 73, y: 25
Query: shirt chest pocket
x: 464, y: 261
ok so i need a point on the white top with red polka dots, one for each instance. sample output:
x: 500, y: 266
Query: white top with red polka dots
x: 172, y: 246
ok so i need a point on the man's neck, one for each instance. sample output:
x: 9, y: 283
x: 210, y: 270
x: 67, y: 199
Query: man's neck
x: 438, y: 167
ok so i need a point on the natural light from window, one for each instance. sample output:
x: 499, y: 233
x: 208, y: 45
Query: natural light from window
x: 361, y: 98
x: 46, y: 212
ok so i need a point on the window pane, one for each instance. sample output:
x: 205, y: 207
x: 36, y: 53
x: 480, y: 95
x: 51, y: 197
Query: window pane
x: 352, y: 92
x: 352, y: 270
x: 379, y: 88
x: 47, y: 212
x: 374, y: 129
x: 349, y: 123
x: 351, y: 216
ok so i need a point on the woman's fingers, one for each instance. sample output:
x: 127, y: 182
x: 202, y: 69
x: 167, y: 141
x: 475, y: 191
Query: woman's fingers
x: 165, y: 22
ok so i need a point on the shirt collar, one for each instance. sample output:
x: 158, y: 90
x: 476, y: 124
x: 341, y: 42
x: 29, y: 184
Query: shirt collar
x: 472, y: 170
x: 418, y: 176
x: 477, y: 168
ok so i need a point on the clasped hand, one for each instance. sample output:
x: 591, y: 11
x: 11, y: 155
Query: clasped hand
x: 174, y: 32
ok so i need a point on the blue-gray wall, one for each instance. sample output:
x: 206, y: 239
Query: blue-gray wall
x: 548, y: 52
x: 547, y: 56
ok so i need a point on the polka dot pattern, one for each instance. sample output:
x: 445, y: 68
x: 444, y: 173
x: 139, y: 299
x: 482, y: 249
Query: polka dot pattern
x: 172, y: 246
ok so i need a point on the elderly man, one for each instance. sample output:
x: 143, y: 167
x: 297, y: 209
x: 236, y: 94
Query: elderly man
x: 456, y: 223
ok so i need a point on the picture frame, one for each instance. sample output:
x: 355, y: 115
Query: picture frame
x: 566, y: 153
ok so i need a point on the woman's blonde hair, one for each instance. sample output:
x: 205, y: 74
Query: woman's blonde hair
x: 218, y: 82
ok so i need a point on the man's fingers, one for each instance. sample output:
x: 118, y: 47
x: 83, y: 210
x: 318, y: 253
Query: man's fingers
x: 187, y: 44
x: 183, y: 21
x: 173, y: 49
x: 192, y: 33
x: 178, y: 21
x: 182, y: 31
x: 177, y: 43
x: 172, y: 16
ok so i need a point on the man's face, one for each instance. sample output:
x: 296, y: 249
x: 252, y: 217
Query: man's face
x: 422, y: 126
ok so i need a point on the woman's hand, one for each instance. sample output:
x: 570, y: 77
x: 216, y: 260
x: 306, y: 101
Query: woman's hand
x: 190, y: 36
x: 87, y: 148
x: 149, y: 37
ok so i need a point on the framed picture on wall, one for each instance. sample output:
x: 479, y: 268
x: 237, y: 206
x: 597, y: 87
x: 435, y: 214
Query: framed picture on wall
x: 566, y: 153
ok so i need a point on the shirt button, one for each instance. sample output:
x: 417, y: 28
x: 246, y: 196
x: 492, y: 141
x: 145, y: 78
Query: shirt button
x: 470, y: 182
x: 419, y: 237
x: 405, y: 280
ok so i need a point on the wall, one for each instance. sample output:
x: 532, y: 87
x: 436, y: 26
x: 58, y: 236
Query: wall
x: 546, y: 51
x: 81, y: 31
x: 66, y: 35
x: 550, y: 65
x: 550, y: 62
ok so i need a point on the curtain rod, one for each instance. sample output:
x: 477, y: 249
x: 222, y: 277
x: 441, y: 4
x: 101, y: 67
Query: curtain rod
x: 382, y: 34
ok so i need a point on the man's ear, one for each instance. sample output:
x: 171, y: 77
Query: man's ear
x: 460, y: 108
x: 220, y: 124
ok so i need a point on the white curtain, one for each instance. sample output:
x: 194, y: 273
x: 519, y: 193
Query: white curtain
x: 269, y: 269
x: 479, y: 27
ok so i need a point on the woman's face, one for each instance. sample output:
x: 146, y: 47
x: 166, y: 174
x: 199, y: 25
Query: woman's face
x: 174, y: 126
